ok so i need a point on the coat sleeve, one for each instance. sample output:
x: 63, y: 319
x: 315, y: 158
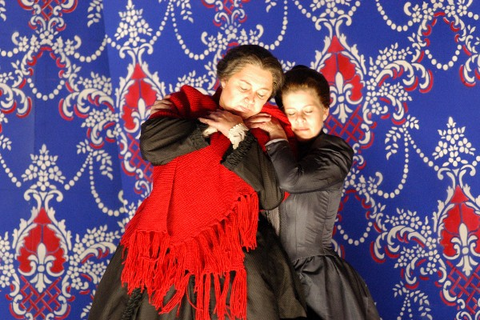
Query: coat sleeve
x: 163, y: 139
x: 326, y: 164
x: 251, y: 163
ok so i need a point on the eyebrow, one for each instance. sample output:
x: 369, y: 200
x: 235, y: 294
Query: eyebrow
x: 244, y: 81
x: 250, y: 84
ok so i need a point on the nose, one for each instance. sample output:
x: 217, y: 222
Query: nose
x: 299, y: 118
x: 250, y: 99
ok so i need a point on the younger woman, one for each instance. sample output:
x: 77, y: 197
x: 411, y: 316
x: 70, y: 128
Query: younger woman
x: 314, y: 180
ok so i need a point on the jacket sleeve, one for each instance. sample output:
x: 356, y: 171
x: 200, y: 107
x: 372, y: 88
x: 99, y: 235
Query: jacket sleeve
x: 253, y: 165
x: 163, y: 139
x: 325, y: 165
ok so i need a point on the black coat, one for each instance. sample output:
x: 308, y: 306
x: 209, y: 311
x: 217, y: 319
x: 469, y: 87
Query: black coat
x: 314, y: 184
x: 273, y: 290
x: 314, y: 181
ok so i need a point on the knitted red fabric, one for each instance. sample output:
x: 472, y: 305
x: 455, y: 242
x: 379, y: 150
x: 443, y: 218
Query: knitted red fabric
x: 195, y: 222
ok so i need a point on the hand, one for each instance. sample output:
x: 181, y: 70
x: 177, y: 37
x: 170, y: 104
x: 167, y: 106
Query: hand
x: 265, y: 122
x: 221, y: 120
x: 161, y: 104
x: 258, y: 120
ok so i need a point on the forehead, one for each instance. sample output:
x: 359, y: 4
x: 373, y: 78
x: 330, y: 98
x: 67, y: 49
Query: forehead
x: 301, y: 98
x: 255, y: 76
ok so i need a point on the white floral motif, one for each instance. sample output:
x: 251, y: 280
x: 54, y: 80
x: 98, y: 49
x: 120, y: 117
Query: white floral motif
x: 192, y: 80
x: 97, y: 121
x: 3, y: 10
x: 133, y: 26
x: 186, y: 9
x: 5, y: 142
x: 395, y: 134
x: 332, y: 6
x: 412, y: 298
x: 453, y: 144
x: 3, y: 118
x: 98, y: 82
x: 44, y: 170
x: 95, y: 10
x: 270, y: 4
x: 390, y: 63
x: 6, y: 262
x: 101, y: 156
x: 97, y: 88
x: 95, y: 243
x: 406, y: 225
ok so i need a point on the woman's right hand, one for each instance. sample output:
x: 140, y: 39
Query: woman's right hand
x: 161, y: 104
x: 221, y: 120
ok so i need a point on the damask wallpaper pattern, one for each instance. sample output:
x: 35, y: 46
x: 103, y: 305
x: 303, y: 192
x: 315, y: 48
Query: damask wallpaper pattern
x: 77, y: 79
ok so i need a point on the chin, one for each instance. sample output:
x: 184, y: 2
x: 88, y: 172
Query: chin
x: 304, y: 137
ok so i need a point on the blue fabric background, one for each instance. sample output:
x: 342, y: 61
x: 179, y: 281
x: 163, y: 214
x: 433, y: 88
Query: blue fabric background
x: 77, y: 79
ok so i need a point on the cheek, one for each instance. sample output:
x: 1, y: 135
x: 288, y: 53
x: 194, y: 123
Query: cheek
x: 226, y: 99
x: 291, y: 120
x: 257, y: 107
x: 317, y: 124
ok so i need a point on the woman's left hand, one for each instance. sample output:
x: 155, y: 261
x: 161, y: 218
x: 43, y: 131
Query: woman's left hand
x: 265, y: 122
x: 221, y: 120
x: 161, y: 104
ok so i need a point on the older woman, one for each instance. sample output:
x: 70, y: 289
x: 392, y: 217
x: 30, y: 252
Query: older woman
x: 197, y: 248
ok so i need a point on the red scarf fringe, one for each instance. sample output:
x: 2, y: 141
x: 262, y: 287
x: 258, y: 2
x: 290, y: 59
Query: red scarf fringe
x: 154, y: 263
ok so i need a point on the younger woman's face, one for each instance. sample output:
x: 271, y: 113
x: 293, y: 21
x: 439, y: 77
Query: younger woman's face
x: 245, y: 92
x: 305, y: 112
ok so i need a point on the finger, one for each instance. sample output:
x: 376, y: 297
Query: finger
x: 259, y: 119
x: 255, y: 125
x: 163, y: 101
x: 261, y: 115
x: 161, y: 105
x: 219, y: 114
x: 204, y: 120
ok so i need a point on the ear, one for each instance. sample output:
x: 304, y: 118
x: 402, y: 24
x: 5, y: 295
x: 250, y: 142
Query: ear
x: 326, y: 113
x: 223, y: 83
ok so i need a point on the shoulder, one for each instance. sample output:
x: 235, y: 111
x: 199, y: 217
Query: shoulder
x: 335, y: 143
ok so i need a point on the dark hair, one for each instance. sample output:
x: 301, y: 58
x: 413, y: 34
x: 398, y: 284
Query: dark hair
x: 302, y: 77
x: 238, y: 57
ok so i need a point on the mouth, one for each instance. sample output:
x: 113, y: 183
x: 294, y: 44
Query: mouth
x: 242, y: 109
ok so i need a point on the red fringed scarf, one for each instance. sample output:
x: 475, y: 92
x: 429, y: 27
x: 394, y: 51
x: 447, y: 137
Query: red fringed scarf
x: 195, y: 222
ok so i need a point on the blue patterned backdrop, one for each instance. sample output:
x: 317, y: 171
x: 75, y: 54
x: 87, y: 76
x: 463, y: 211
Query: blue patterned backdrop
x: 77, y: 79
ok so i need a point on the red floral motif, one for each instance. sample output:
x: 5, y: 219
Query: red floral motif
x: 340, y: 63
x: 41, y: 234
x: 460, y: 213
x: 140, y: 89
x: 461, y: 226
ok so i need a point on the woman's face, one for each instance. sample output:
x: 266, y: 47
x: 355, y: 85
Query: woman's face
x: 305, y: 112
x: 245, y: 92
